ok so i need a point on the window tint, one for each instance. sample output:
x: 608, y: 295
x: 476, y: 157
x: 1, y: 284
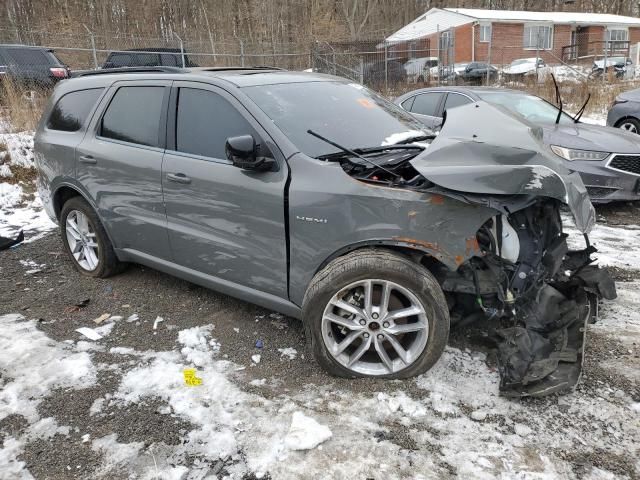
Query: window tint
x: 26, y: 56
x: 454, y: 100
x: 147, y: 60
x: 205, y: 121
x: 72, y: 110
x: 121, y: 60
x: 134, y: 115
x: 426, y: 104
x: 170, y: 59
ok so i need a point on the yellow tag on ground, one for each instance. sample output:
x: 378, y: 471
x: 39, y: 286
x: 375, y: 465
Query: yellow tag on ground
x: 190, y: 377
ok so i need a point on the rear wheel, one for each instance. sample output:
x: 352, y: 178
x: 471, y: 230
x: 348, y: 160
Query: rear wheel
x: 376, y: 314
x: 86, y: 241
x: 630, y: 125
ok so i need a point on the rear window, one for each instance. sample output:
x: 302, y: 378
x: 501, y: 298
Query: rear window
x: 26, y: 56
x: 134, y: 115
x: 72, y: 110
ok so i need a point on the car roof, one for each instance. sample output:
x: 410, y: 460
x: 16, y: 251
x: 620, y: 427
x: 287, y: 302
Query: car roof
x: 471, y: 91
x: 234, y: 76
x: 30, y: 47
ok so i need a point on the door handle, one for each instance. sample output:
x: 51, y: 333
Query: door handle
x: 87, y: 159
x: 178, y: 178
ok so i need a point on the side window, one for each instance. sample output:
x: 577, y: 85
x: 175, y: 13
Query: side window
x: 71, y: 111
x: 455, y: 100
x: 170, y: 59
x: 427, y: 104
x: 134, y: 115
x: 408, y: 103
x: 204, y: 122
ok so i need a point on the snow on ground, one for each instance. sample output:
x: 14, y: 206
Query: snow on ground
x: 20, y: 205
x: 455, y: 420
x: 617, y: 247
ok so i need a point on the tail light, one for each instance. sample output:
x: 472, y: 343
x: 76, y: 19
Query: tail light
x: 59, y: 72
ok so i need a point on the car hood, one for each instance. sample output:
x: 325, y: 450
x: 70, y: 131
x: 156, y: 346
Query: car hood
x: 485, y: 149
x: 583, y: 136
x: 516, y: 69
x: 631, y: 95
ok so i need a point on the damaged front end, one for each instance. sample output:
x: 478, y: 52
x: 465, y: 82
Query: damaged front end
x: 521, y: 276
x: 541, y: 293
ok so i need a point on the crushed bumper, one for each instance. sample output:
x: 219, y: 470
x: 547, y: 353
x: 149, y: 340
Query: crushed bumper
x: 544, y: 354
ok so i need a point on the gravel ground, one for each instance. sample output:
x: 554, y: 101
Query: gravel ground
x: 62, y: 301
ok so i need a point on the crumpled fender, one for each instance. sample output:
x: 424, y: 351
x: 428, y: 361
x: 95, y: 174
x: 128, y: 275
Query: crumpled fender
x: 474, y: 153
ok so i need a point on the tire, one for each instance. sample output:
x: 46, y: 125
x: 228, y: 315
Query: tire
x: 104, y: 263
x: 410, y: 284
x: 630, y: 125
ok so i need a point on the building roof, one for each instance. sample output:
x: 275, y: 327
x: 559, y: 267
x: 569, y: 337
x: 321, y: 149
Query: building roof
x: 431, y: 22
x: 555, y: 17
x: 438, y: 19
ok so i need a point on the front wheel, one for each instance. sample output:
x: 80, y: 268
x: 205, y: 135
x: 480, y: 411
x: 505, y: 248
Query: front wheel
x: 375, y: 313
x: 630, y: 125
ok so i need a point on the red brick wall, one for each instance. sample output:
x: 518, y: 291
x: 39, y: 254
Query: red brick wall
x: 634, y: 34
x: 463, y: 46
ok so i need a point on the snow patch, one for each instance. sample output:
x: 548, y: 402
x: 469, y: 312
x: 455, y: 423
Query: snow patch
x: 305, y: 433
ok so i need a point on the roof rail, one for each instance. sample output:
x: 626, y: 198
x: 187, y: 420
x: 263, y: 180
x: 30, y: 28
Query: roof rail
x: 104, y: 71
x: 222, y: 69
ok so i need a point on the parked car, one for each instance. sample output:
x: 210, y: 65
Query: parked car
x: 524, y: 68
x: 148, y: 57
x: 477, y: 72
x: 375, y: 73
x: 314, y: 196
x: 618, y: 65
x: 33, y: 68
x: 625, y: 112
x: 418, y: 68
x: 607, y: 159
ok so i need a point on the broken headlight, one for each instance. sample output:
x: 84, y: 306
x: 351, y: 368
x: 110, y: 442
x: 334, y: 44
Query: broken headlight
x: 572, y: 154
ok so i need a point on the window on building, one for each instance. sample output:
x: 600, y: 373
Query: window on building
x: 445, y: 40
x: 413, y: 48
x: 617, y: 38
x: 485, y: 32
x: 538, y: 37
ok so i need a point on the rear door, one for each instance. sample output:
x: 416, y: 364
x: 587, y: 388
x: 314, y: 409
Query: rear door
x: 119, y: 163
x: 222, y: 221
x: 426, y: 108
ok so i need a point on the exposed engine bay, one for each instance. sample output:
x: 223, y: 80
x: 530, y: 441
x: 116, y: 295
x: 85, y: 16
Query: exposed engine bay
x: 523, y: 278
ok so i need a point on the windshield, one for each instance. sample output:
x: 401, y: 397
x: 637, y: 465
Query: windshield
x: 346, y: 113
x: 532, y: 108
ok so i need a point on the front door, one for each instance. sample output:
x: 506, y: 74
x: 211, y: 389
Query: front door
x: 222, y: 221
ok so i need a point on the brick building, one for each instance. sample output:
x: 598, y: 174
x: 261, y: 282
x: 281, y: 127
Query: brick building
x: 500, y: 36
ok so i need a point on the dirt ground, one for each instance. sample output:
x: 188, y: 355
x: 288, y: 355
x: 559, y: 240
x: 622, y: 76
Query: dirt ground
x: 579, y: 442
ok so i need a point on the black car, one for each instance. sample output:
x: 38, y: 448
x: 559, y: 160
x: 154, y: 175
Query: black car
x: 476, y: 72
x: 31, y: 67
x: 375, y: 73
x: 148, y: 57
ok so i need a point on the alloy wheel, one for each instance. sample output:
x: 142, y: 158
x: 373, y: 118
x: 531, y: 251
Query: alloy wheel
x: 82, y: 241
x: 629, y: 127
x: 375, y: 327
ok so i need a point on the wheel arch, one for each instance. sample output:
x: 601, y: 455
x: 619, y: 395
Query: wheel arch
x: 420, y: 254
x: 625, y: 118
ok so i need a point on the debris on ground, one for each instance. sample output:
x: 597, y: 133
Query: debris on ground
x: 305, y: 433
x: 90, y: 333
x: 288, y: 352
x: 101, y: 318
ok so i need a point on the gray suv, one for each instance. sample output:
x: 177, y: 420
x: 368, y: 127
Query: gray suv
x: 313, y: 196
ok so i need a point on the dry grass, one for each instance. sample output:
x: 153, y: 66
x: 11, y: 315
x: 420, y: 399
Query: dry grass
x: 22, y: 106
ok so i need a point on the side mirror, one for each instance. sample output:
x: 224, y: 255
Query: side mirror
x: 243, y: 153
